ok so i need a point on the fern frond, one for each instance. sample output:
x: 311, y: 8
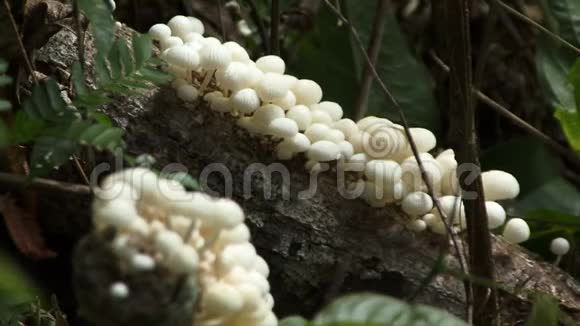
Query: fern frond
x: 46, y: 104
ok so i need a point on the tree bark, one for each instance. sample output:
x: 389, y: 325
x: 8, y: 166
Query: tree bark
x: 316, y: 247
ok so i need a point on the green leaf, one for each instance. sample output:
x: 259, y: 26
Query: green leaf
x: 102, y: 119
x: 5, y: 106
x: 25, y: 128
x: 545, y: 311
x: 5, y: 80
x: 142, y: 49
x: 102, y: 70
x: 125, y: 56
x: 574, y: 78
x: 102, y: 23
x: 527, y: 159
x: 553, y: 64
x: 50, y: 152
x: 102, y: 137
x: 115, y: 61
x: 92, y: 100
x: 15, y: 286
x: 154, y: 75
x: 554, y: 217
x: 46, y: 104
x: 325, y: 55
x: 570, y: 121
x: 557, y: 194
x: 567, y: 16
x: 293, y: 321
x: 404, y: 75
x: 184, y: 178
x: 372, y: 309
x: 78, y: 80
x: 4, y: 136
x: 3, y: 66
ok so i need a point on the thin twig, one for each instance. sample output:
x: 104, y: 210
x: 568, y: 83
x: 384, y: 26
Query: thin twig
x: 373, y: 52
x: 21, y: 47
x: 221, y: 19
x: 538, y: 26
x: 405, y: 124
x: 15, y: 181
x: 79, y: 168
x: 259, y: 24
x: 275, y: 27
x: 505, y: 112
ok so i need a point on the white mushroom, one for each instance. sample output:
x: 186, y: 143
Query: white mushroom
x: 499, y: 185
x: 516, y: 231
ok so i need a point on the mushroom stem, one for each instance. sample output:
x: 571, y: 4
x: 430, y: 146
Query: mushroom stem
x: 205, y: 81
x: 557, y: 261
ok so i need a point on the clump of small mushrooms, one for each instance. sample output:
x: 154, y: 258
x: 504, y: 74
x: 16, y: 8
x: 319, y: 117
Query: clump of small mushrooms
x: 267, y: 101
x: 159, y: 224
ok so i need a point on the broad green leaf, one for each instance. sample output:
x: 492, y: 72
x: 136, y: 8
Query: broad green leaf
x: 115, y: 61
x: 570, y: 121
x: 554, y: 217
x: 372, y: 309
x: 404, y: 75
x: 125, y: 56
x: 553, y: 64
x: 5, y: 80
x: 154, y: 75
x: 574, y: 78
x: 102, y: 70
x: 325, y: 56
x: 15, y: 286
x: 92, y: 100
x: 46, y: 104
x: 527, y: 159
x: 5, y: 105
x: 25, y: 128
x: 49, y: 152
x: 78, y: 80
x: 142, y: 49
x: 545, y: 311
x: 102, y: 23
x: 109, y: 138
x: 293, y: 321
x: 102, y: 119
x: 567, y: 16
x: 557, y: 194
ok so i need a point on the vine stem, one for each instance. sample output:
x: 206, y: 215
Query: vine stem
x: 451, y: 233
x: 20, y: 44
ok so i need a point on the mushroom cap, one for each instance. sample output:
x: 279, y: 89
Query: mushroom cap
x: 346, y: 149
x: 159, y: 32
x: 194, y: 37
x: 119, y: 213
x: 307, y: 92
x: 245, y: 100
x: 286, y: 102
x: 453, y: 206
x: 142, y: 262
x: 412, y: 173
x: 424, y: 139
x: 238, y: 52
x: 447, y: 160
x: 271, y: 63
x: 218, y: 102
x: 383, y: 171
x: 319, y: 116
x: 196, y: 25
x: 237, y: 234
x: 347, y: 126
x: 225, y: 214
x: 235, y: 77
x: 332, y: 108
x: 298, y: 143
x: 272, y: 87
x: 215, y: 56
x: 323, y: 151
x: 180, y: 26
x: 261, y: 266
x: 495, y: 214
x: 559, y: 246
x: 499, y: 185
x: 366, y: 122
x: 516, y: 230
x: 119, y: 290
x: 316, y: 132
x: 185, y: 260
x: 188, y: 93
x: 417, y: 203
x: 266, y: 113
x: 301, y: 115
x: 283, y: 128
x: 417, y: 225
x: 169, y: 42
x: 168, y: 242
x: 221, y: 299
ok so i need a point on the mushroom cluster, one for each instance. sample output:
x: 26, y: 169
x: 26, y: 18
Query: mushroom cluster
x: 267, y: 101
x: 159, y: 223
